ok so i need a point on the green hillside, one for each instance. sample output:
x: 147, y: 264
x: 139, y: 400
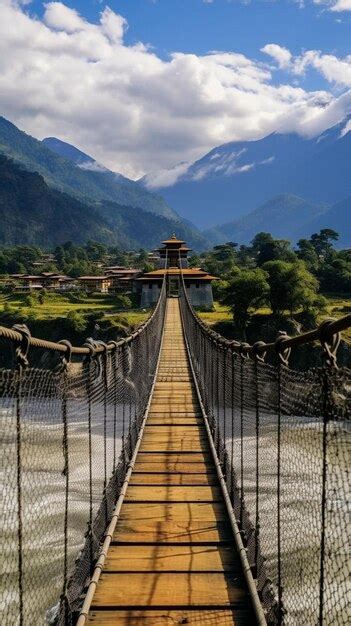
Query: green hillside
x: 62, y: 174
x: 33, y: 213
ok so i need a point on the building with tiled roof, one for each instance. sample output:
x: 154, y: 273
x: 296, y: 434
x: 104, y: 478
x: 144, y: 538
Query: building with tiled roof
x: 172, y: 262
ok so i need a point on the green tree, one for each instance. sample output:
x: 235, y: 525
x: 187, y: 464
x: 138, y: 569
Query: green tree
x: 248, y: 290
x: 221, y: 260
x: 307, y: 253
x: 77, y: 321
x: 335, y: 275
x: 323, y: 242
x: 291, y: 286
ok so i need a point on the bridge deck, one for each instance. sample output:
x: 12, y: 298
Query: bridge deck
x: 173, y: 558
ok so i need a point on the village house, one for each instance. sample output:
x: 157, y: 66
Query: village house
x: 46, y: 280
x: 94, y: 284
x: 122, y: 278
x: 173, y: 261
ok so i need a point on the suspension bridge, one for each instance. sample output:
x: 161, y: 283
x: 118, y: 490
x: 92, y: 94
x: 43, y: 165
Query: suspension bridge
x: 174, y: 477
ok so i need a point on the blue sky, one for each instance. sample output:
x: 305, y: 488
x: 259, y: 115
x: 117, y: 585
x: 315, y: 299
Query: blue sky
x: 198, y: 26
x: 149, y: 84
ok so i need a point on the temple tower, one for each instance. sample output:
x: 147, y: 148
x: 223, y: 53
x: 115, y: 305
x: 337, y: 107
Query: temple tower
x: 173, y: 255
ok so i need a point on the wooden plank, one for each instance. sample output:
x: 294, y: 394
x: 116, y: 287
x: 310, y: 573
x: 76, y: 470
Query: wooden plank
x: 174, y: 446
x: 166, y: 558
x: 186, y: 407
x: 169, y: 467
x: 152, y: 589
x: 151, y: 617
x: 174, y: 413
x: 173, y: 431
x: 171, y: 478
x: 173, y: 458
x: 161, y: 435
x: 163, y: 531
x: 169, y: 493
x: 174, y: 420
x: 174, y: 385
x: 176, y: 511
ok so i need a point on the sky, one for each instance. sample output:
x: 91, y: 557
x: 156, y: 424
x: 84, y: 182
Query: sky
x: 147, y: 85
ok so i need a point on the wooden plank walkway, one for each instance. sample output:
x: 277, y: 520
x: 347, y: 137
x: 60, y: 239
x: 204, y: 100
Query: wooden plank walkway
x: 173, y: 558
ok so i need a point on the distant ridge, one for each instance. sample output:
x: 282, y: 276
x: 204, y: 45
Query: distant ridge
x: 236, y: 177
x: 286, y: 217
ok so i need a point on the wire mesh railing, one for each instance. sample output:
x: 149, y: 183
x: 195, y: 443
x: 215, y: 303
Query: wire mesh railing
x: 67, y: 437
x: 282, y: 437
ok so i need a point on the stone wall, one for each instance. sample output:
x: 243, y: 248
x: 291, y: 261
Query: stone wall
x: 200, y: 296
x: 149, y: 296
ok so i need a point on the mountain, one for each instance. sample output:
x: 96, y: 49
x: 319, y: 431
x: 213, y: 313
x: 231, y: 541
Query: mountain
x: 144, y: 230
x: 236, y: 177
x: 62, y: 173
x: 85, y: 161
x: 282, y: 216
x: 67, y: 151
x: 287, y: 217
x: 33, y: 213
x: 337, y: 217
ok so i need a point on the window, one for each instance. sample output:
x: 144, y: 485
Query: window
x: 197, y: 285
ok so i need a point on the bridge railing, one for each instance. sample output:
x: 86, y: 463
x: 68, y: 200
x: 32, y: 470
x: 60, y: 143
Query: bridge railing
x: 67, y: 436
x: 282, y: 437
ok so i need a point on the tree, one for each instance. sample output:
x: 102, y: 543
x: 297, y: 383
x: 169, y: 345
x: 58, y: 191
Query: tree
x: 247, y: 290
x: 335, y: 275
x: 307, y: 253
x: 265, y: 248
x: 221, y: 259
x: 96, y: 251
x: 195, y: 260
x: 291, y: 286
x: 323, y: 241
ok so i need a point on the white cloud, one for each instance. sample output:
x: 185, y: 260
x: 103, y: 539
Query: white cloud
x: 165, y: 177
x: 333, y: 69
x: 93, y: 166
x: 341, y: 5
x: 278, y: 53
x: 60, y: 17
x: 135, y: 112
x: 335, y: 5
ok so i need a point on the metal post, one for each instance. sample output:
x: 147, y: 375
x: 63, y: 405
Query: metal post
x: 257, y: 521
x: 224, y: 412
x: 233, y: 419
x: 279, y: 545
x: 21, y: 363
x: 63, y: 371
x: 90, y: 344
x: 241, y: 441
x: 19, y: 494
x: 330, y: 345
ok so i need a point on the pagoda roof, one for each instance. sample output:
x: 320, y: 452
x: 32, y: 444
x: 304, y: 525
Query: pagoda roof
x: 196, y: 273
x: 180, y: 249
x: 173, y: 239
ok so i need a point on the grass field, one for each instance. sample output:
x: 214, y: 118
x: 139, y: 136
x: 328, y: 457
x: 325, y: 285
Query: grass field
x: 60, y: 305
x: 338, y: 306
